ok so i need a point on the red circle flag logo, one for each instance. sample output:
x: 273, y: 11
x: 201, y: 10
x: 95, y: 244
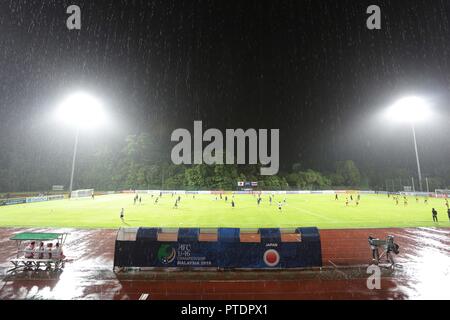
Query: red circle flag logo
x: 271, y: 257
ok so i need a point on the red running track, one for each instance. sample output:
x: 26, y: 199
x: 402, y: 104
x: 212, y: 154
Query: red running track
x: 424, y: 274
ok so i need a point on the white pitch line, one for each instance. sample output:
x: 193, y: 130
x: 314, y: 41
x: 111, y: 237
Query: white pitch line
x: 316, y: 215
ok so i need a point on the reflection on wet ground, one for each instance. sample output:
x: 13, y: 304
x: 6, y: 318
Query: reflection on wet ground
x: 424, y: 272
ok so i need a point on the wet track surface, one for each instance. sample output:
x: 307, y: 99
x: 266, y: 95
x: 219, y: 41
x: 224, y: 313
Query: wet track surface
x: 424, y: 272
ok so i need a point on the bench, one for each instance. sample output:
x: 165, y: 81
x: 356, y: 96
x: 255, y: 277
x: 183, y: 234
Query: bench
x: 37, y: 263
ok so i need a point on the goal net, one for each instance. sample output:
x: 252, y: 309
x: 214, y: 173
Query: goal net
x: 82, y: 193
x: 442, y: 193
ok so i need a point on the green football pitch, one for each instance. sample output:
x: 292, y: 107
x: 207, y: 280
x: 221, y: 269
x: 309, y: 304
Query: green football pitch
x: 322, y: 211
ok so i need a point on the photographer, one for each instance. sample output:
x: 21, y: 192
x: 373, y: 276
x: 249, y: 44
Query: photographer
x: 374, y: 248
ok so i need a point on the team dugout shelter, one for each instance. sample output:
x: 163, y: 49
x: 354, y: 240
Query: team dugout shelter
x: 221, y: 248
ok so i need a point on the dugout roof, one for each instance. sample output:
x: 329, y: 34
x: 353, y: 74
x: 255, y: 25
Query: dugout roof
x: 37, y: 236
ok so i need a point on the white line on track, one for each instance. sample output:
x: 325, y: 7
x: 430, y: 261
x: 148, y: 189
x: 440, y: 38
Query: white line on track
x: 143, y: 296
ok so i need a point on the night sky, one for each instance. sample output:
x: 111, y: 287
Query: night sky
x: 310, y: 68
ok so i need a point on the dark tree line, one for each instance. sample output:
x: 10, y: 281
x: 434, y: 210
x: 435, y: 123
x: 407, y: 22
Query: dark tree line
x: 141, y: 163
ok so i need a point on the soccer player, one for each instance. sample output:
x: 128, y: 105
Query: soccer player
x: 417, y: 199
x: 226, y: 198
x: 270, y: 200
x: 279, y: 205
x: 396, y: 201
x: 351, y: 198
x: 405, y: 202
x: 357, y: 202
x: 156, y: 200
x: 425, y: 201
x: 434, y: 213
x: 336, y: 197
x: 175, y: 206
x: 448, y: 213
x: 140, y: 200
x: 122, y: 214
x: 346, y: 202
x: 232, y: 203
x: 446, y: 203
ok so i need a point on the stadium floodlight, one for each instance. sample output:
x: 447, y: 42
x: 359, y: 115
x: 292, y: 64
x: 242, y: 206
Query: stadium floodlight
x: 82, y: 111
x: 411, y: 110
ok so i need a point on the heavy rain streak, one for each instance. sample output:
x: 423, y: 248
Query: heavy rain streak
x: 224, y: 150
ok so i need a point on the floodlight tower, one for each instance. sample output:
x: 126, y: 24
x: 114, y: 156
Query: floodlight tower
x: 82, y: 111
x: 411, y: 110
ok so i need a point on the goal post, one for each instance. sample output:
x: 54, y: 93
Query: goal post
x: 82, y: 193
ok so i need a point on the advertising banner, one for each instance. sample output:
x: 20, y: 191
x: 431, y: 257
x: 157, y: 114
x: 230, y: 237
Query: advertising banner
x: 36, y: 199
x: 16, y: 201
x: 56, y: 197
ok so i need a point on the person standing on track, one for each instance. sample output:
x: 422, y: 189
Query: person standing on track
x: 122, y: 215
x: 375, y: 252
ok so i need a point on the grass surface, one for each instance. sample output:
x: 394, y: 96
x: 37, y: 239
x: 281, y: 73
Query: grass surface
x: 204, y: 211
